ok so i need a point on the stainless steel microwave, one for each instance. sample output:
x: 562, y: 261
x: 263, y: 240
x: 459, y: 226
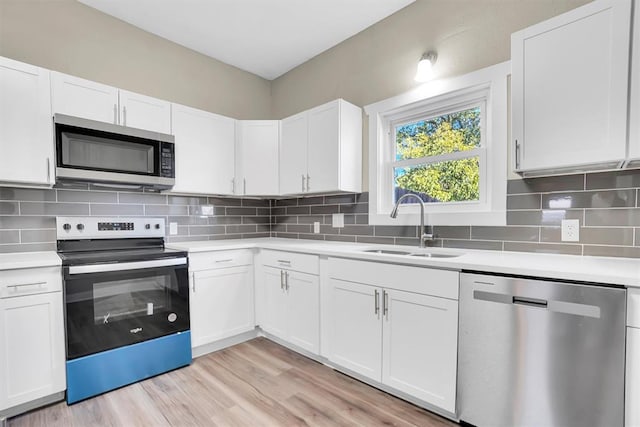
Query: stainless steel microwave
x: 88, y: 150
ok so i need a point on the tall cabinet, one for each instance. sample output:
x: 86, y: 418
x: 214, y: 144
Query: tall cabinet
x: 569, y: 89
x: 321, y: 150
x: 26, y: 128
x: 634, y: 107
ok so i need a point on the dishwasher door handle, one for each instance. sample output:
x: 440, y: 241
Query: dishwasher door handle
x: 532, y: 302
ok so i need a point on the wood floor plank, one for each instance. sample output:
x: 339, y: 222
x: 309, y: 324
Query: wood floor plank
x: 257, y: 383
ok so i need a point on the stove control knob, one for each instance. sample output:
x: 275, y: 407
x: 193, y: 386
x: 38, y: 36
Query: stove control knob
x: 157, y: 226
x: 147, y: 226
x: 80, y: 227
x: 66, y: 227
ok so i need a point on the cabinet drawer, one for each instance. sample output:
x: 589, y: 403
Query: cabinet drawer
x: 291, y: 261
x: 633, y: 308
x: 427, y: 281
x: 220, y: 259
x: 30, y: 281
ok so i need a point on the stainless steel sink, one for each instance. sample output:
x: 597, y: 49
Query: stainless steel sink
x: 387, y: 251
x: 432, y: 255
x: 419, y: 254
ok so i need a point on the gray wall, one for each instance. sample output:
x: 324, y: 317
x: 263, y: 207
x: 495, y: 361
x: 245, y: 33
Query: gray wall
x: 607, y: 205
x: 67, y: 36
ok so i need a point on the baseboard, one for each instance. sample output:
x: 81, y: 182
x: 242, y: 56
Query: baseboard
x: 224, y: 343
x: 30, y: 406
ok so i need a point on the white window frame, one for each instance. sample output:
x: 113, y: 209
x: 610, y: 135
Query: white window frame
x: 488, y: 87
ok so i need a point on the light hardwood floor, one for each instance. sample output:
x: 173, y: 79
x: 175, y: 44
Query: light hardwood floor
x: 257, y: 383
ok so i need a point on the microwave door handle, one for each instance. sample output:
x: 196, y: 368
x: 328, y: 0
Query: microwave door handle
x: 124, y: 266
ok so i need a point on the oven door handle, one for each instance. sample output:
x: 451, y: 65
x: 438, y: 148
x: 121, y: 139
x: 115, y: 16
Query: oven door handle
x: 122, y: 266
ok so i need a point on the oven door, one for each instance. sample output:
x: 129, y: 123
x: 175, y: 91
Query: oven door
x: 114, y: 305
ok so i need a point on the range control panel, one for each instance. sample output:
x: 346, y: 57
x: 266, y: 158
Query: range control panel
x: 68, y: 228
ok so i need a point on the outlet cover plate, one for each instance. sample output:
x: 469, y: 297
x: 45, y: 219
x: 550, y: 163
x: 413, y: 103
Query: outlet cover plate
x: 173, y: 228
x: 337, y: 220
x: 570, y: 230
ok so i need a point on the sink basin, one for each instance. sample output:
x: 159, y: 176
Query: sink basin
x: 386, y: 251
x: 431, y: 255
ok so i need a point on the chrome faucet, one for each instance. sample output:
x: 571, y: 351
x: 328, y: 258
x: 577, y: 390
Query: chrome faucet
x: 422, y: 235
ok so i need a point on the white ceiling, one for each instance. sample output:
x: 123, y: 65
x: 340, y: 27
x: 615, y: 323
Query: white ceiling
x: 264, y: 37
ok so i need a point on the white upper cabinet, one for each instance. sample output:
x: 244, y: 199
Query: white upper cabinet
x: 293, y: 154
x: 26, y: 126
x: 321, y: 150
x: 204, y: 144
x: 144, y: 112
x: 634, y: 112
x: 83, y: 98
x: 90, y: 100
x: 257, y: 157
x: 570, y: 89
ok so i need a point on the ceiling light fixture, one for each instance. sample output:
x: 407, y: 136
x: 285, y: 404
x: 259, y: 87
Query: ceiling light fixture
x: 425, y: 66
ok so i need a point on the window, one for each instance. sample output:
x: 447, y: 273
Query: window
x: 446, y: 143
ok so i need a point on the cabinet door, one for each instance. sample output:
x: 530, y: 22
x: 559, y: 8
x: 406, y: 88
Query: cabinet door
x: 303, y: 307
x: 221, y: 303
x: 569, y: 83
x: 204, y: 145
x: 83, y: 98
x: 324, y: 145
x: 257, y: 158
x: 275, y: 303
x: 420, y: 346
x: 32, y: 355
x: 145, y: 112
x: 356, y: 330
x: 26, y: 128
x: 293, y: 154
x: 632, y: 395
x: 634, y: 112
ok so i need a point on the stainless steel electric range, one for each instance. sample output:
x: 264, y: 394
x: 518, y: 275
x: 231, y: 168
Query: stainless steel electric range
x: 126, y: 302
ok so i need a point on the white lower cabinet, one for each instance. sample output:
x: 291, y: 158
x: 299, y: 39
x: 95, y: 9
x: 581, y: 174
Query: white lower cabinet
x: 32, y: 354
x: 221, y: 295
x: 290, y: 298
x: 405, y: 339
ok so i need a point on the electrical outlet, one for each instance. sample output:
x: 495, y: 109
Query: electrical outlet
x: 570, y: 230
x: 337, y: 220
x: 207, y: 210
x: 316, y: 227
x: 173, y: 228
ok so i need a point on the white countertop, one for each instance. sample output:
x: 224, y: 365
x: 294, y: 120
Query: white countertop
x: 617, y: 271
x: 16, y: 260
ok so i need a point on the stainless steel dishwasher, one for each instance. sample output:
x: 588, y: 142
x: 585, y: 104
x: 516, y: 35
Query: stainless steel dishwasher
x: 540, y: 353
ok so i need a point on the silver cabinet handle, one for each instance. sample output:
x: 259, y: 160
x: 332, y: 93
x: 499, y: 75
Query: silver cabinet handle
x: 303, y: 183
x: 376, y: 305
x: 517, y: 154
x: 244, y: 186
x: 48, y: 170
x: 124, y: 115
x: 284, y: 261
x: 233, y: 186
x: 115, y: 114
x: 308, y: 181
x: 286, y: 281
x: 18, y: 287
x: 385, y: 304
x: 282, y: 279
x: 193, y: 280
x: 224, y: 260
